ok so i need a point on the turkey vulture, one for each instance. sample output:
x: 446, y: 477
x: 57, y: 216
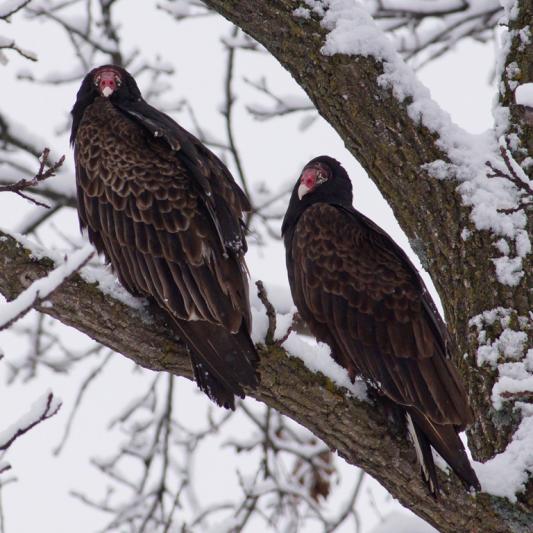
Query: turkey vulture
x: 166, y: 213
x: 359, y: 293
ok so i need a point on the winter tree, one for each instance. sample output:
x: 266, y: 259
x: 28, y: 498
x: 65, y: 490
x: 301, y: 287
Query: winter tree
x: 463, y: 200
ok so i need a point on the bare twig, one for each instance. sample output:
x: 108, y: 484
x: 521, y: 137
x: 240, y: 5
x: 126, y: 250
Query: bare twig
x: 270, y: 311
x: 42, y: 174
x: 228, y: 109
x: 81, y: 391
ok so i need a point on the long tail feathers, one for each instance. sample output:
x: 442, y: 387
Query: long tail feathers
x: 223, y: 363
x: 445, y: 440
x: 424, y: 456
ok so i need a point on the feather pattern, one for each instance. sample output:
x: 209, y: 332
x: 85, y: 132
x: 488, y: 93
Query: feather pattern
x: 166, y: 213
x: 359, y: 293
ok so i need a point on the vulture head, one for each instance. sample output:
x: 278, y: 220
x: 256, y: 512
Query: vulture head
x: 108, y: 81
x: 323, y: 179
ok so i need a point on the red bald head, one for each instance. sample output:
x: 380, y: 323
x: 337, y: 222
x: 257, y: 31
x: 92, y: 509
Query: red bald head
x: 313, y: 175
x: 107, y: 80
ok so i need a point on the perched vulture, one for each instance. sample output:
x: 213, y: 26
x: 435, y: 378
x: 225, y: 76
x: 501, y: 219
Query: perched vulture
x: 166, y: 213
x: 359, y: 293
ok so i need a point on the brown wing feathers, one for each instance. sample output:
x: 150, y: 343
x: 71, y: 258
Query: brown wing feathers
x: 368, y: 298
x: 147, y: 214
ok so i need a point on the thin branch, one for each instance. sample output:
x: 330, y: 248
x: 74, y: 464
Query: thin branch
x: 270, y: 311
x: 228, y: 110
x: 79, y: 397
x: 42, y: 174
x: 15, y: 9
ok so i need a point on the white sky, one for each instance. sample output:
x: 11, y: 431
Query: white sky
x: 273, y: 152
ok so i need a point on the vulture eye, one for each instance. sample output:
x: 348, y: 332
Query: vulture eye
x: 97, y: 81
x: 118, y: 81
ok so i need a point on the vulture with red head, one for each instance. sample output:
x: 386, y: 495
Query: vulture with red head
x: 167, y: 214
x: 359, y: 293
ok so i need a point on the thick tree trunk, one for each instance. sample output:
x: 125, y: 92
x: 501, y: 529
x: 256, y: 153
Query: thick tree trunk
x: 394, y: 149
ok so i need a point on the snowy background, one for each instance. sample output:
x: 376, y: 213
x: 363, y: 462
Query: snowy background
x: 273, y: 153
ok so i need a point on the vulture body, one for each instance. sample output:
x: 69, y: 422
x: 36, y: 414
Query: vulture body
x: 359, y: 293
x: 166, y: 213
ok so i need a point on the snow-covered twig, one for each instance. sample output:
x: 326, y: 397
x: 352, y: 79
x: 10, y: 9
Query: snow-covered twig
x: 10, y: 7
x: 430, y: 28
x: 184, y: 9
x: 10, y: 44
x: 44, y: 408
x: 7, y: 9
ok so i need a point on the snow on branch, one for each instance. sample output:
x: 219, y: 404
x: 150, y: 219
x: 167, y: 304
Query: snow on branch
x: 43, y: 409
x: 423, y: 30
x: 42, y: 174
x: 427, y: 29
x: 10, y: 44
x: 7, y: 9
x: 10, y: 7
x: 40, y: 289
x: 185, y: 9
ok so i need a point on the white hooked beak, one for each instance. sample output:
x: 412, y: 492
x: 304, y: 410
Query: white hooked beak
x: 303, y: 190
x: 107, y: 92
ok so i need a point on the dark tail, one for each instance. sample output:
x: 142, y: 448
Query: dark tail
x: 446, y: 441
x: 223, y: 362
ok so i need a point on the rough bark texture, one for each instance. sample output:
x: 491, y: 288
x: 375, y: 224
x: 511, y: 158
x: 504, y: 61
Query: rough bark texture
x: 392, y: 148
x: 361, y: 432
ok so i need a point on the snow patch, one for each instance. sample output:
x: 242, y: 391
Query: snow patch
x: 302, y: 12
x: 283, y: 323
x: 508, y: 270
x: 317, y: 358
x: 108, y: 283
x: 506, y: 353
x: 507, y: 473
x: 524, y: 94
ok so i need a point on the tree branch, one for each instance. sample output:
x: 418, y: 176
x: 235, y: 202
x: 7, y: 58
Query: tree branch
x: 359, y: 431
x: 41, y: 175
